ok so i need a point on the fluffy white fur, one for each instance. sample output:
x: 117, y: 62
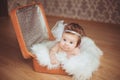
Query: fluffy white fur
x: 42, y: 53
x: 58, y: 29
x: 81, y: 66
x: 88, y: 61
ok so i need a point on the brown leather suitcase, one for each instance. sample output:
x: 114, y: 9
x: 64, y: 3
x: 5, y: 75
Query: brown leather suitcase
x: 31, y: 27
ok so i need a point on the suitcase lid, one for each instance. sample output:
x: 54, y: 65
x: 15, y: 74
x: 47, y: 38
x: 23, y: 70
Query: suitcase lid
x: 31, y: 27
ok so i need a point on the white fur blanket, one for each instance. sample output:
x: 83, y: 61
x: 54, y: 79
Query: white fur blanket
x: 81, y: 66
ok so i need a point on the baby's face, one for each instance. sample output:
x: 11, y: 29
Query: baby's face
x: 68, y: 41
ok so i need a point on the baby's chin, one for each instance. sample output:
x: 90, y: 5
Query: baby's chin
x: 67, y: 49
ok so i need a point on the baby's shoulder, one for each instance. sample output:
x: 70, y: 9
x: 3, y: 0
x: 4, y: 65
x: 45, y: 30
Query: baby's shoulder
x: 76, y: 50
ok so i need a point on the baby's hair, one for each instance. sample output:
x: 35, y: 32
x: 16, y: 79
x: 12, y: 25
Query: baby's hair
x: 76, y: 28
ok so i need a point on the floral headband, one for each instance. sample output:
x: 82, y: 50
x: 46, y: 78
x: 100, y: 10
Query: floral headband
x: 73, y: 32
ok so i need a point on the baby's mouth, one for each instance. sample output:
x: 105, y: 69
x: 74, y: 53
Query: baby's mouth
x: 65, y: 48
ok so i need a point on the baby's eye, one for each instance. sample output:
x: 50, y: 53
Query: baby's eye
x: 71, y: 42
x: 64, y: 39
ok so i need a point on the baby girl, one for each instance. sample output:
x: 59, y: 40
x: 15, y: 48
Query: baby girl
x: 69, y: 42
x: 76, y: 53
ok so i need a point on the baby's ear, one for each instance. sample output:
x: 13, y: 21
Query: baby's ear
x: 78, y: 45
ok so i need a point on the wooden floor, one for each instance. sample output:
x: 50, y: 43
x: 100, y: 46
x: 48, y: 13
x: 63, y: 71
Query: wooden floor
x: 14, y: 67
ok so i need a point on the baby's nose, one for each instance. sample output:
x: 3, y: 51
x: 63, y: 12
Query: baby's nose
x: 66, y: 44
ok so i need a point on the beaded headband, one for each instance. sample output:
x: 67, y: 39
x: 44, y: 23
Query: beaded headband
x: 73, y: 32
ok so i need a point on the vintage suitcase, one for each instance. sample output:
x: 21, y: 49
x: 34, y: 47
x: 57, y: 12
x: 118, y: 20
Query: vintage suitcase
x: 31, y: 27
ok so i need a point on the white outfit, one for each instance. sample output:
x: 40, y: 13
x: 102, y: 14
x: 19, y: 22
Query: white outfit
x: 80, y: 66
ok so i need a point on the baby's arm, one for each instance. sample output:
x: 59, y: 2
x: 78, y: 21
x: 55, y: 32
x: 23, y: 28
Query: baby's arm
x: 53, y: 51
